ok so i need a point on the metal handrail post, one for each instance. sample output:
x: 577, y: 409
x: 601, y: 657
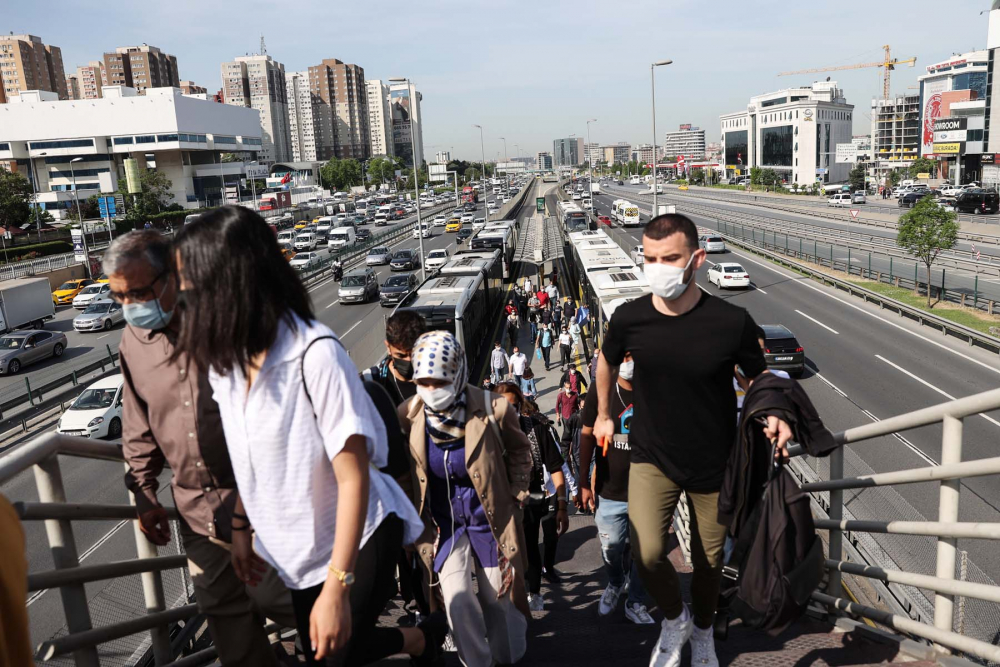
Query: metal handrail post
x: 836, y: 513
x: 49, y: 482
x: 152, y: 589
x: 951, y: 452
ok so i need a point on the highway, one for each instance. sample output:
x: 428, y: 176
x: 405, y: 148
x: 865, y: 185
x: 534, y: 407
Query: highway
x: 360, y: 327
x: 865, y: 364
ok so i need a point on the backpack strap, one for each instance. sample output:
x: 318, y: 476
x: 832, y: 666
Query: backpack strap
x: 302, y: 365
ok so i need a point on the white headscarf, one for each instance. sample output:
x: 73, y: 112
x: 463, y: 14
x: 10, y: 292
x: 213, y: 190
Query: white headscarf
x: 438, y: 355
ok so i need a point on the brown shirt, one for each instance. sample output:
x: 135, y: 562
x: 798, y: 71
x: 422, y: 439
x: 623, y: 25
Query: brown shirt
x: 169, y: 417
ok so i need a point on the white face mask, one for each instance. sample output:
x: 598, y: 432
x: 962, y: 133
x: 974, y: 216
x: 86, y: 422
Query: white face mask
x: 667, y: 281
x: 626, y: 369
x: 436, y: 398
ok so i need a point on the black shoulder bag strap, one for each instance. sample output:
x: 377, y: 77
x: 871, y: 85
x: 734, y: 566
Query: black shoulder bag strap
x: 302, y: 365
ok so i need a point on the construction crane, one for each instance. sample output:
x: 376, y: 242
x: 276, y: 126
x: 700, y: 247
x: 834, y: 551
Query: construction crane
x: 888, y: 64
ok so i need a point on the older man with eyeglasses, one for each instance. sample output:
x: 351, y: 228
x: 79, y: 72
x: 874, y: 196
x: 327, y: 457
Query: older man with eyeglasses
x: 169, y: 417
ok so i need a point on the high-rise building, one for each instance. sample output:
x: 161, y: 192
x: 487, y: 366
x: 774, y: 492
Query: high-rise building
x: 961, y: 72
x: 895, y: 132
x: 140, y: 67
x: 687, y: 141
x: 91, y: 79
x: 567, y: 152
x: 340, y: 110
x: 191, y: 88
x: 26, y: 63
x: 301, y: 123
x: 404, y: 103
x: 593, y: 153
x: 543, y: 161
x: 72, y: 87
x: 258, y: 82
x: 442, y: 157
x: 616, y: 153
x: 643, y: 153
x: 379, y: 118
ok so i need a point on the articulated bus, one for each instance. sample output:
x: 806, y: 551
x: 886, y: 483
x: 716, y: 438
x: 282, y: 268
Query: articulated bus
x: 496, y: 239
x: 574, y: 219
x: 480, y: 263
x: 458, y: 304
x: 607, y: 277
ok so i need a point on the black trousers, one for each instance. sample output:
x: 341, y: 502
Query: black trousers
x: 567, y: 354
x: 375, y: 585
x: 540, y: 516
x: 547, y: 353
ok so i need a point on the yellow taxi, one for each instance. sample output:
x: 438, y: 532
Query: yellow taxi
x: 104, y: 278
x: 69, y: 289
x: 682, y: 187
x: 301, y: 224
x: 453, y: 225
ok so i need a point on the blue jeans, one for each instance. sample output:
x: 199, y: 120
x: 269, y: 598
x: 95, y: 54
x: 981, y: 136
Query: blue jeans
x: 534, y: 329
x: 497, y: 375
x: 612, y: 527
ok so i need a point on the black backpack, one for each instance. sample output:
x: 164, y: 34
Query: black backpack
x: 777, y: 561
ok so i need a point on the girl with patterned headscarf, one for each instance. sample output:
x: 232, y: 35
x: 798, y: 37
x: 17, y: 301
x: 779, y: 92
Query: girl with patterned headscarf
x: 471, y: 466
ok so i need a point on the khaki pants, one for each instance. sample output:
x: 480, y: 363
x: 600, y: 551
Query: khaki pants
x: 652, y: 499
x: 234, y: 610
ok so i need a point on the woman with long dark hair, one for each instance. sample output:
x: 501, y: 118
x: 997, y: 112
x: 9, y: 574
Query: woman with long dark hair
x: 544, y: 509
x: 304, y: 438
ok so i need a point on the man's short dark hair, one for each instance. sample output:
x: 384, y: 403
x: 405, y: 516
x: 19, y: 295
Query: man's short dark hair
x: 404, y: 328
x: 663, y: 226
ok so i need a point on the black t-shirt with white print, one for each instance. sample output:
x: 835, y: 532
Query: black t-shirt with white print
x: 612, y: 467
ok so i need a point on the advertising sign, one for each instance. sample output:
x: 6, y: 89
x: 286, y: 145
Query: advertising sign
x: 107, y: 206
x: 437, y: 173
x: 847, y: 153
x: 132, y: 176
x: 930, y: 111
x: 79, y: 249
x: 990, y: 158
x: 946, y: 124
x: 256, y: 171
x: 951, y: 148
x: 540, y: 204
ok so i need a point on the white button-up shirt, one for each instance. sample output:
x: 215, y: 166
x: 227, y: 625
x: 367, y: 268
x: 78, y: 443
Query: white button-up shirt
x: 281, y: 447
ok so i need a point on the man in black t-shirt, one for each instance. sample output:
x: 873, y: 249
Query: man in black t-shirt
x: 684, y: 343
x: 611, y: 490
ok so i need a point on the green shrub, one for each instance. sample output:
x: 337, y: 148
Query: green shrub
x: 36, y: 250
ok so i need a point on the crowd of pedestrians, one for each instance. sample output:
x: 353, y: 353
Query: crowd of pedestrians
x: 312, y: 494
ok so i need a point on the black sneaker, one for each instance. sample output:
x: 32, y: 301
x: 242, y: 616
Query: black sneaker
x: 435, y: 629
x: 550, y: 575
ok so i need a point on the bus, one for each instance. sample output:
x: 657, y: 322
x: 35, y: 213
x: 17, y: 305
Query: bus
x: 574, y: 219
x: 484, y: 263
x: 470, y: 195
x: 505, y: 224
x: 361, y: 206
x: 458, y: 304
x: 499, y: 239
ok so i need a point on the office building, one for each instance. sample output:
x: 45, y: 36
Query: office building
x: 91, y: 79
x: 643, y: 154
x: 442, y: 157
x: 184, y: 137
x: 593, y: 153
x: 404, y: 104
x: 72, y: 87
x: 340, y: 110
x: 191, y: 88
x: 895, y: 139
x: 567, y: 152
x: 965, y: 72
x: 379, y: 118
x: 617, y: 153
x: 543, y: 161
x: 27, y: 63
x: 258, y: 82
x: 140, y: 67
x: 687, y: 141
x: 794, y: 131
x: 301, y: 123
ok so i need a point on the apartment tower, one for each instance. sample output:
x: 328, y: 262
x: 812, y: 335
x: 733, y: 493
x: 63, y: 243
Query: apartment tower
x: 301, y: 122
x: 26, y: 63
x: 379, y: 118
x: 340, y: 110
x: 140, y: 67
x: 258, y: 82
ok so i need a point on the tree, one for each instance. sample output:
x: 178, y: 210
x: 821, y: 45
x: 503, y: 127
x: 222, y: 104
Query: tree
x: 88, y: 209
x: 381, y: 169
x: 924, y: 231
x: 768, y: 177
x: 471, y: 174
x: 697, y: 175
x: 153, y: 198
x: 339, y: 174
x: 15, y: 193
x: 895, y: 176
x: 857, y: 178
x: 755, y: 174
x: 922, y: 165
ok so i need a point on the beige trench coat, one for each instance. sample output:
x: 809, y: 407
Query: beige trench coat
x: 500, y: 479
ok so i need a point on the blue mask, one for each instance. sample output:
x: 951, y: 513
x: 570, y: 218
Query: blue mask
x: 147, y: 314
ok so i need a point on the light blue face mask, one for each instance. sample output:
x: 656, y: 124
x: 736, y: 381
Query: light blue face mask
x: 147, y: 314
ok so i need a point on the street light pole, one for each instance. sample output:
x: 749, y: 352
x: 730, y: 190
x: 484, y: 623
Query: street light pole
x: 590, y: 163
x: 416, y: 179
x: 482, y: 180
x: 652, y: 81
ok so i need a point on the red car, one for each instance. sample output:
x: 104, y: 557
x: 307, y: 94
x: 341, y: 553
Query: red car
x: 604, y: 220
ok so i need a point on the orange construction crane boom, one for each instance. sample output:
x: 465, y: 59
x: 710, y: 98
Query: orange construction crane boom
x: 888, y: 64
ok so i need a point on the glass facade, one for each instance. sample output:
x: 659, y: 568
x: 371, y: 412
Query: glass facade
x: 776, y: 143
x: 67, y: 143
x: 737, y: 147
x: 65, y: 159
x: 220, y: 139
x: 123, y: 140
x: 4, y: 147
x: 971, y: 81
x: 80, y: 173
x: 167, y: 137
x: 146, y: 139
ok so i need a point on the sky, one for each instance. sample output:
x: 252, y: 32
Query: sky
x: 534, y: 71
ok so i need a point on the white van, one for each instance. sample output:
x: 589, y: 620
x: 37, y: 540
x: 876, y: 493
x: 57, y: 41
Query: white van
x: 840, y: 199
x: 382, y: 215
x: 325, y: 224
x: 341, y: 237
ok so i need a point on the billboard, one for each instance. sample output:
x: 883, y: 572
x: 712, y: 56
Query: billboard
x: 930, y: 111
x: 399, y: 106
x: 132, y: 176
x: 437, y: 173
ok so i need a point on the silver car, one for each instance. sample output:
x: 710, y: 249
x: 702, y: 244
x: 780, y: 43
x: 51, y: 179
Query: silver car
x: 21, y: 348
x: 100, y: 315
x: 378, y: 256
x: 713, y: 243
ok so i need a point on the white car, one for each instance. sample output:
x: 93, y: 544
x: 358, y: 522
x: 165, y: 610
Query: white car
x: 491, y: 205
x: 637, y: 255
x: 436, y: 259
x: 100, y: 315
x: 505, y: 199
x: 467, y: 217
x: 478, y: 224
x: 305, y: 261
x: 588, y: 204
x: 97, y: 412
x: 577, y: 196
x: 727, y: 275
x: 423, y: 230
x: 91, y: 293
x: 840, y: 199
x: 440, y: 221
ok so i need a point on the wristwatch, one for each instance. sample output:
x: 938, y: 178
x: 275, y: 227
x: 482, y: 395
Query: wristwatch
x: 345, y: 578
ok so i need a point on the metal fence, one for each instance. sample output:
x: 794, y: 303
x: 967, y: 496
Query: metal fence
x: 34, y: 267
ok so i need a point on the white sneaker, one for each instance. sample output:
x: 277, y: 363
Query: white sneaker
x: 673, y: 635
x: 703, y: 648
x: 449, y: 644
x: 638, y: 614
x: 536, y: 602
x: 609, y: 600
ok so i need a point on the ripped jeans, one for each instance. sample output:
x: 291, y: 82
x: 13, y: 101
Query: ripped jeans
x: 613, y: 529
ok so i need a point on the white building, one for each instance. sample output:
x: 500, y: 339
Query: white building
x: 404, y: 104
x: 543, y: 161
x: 258, y: 81
x: 794, y: 131
x: 379, y: 118
x: 593, y: 153
x: 181, y: 136
x: 643, y: 153
x: 442, y: 157
x: 687, y: 141
x: 946, y: 82
x: 301, y: 123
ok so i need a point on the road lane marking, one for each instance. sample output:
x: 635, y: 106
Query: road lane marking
x: 344, y: 335
x: 930, y: 386
x: 817, y: 322
x: 759, y: 290
x: 334, y: 303
x: 104, y: 336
